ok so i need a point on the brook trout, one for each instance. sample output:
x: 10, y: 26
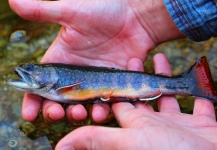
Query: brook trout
x: 84, y: 84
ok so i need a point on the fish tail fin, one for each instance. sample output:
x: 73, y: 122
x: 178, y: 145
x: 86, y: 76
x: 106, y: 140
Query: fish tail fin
x: 201, y: 80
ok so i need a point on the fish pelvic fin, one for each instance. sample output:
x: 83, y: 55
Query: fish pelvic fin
x: 200, y: 77
x: 106, y: 97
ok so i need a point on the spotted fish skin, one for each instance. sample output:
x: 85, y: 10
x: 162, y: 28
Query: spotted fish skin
x: 86, y: 84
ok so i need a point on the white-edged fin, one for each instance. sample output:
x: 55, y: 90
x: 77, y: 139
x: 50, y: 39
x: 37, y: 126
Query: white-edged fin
x: 67, y: 86
x: 104, y: 99
x: 150, y: 98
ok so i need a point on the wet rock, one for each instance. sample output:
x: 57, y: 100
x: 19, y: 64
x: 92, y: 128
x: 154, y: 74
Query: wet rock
x: 12, y: 143
x: 19, y: 36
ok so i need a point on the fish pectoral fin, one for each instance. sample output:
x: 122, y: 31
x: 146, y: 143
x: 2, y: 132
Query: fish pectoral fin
x: 46, y: 85
x: 155, y: 96
x: 69, y: 87
x: 106, y: 97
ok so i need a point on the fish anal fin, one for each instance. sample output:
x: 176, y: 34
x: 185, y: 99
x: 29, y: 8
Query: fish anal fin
x: 151, y: 97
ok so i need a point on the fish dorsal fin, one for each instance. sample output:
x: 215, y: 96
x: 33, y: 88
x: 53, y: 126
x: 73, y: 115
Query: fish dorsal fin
x: 69, y: 86
x: 156, y: 95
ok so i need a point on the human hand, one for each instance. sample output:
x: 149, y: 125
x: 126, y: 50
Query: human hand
x: 98, y: 33
x: 143, y: 128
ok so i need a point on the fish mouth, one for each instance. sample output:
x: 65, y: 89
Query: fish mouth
x: 25, y: 81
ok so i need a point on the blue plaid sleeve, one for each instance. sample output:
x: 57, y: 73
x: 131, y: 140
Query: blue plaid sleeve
x: 196, y: 19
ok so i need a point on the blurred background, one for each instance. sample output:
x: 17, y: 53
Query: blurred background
x: 23, y: 41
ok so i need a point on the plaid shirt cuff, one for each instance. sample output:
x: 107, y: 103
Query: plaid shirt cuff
x: 197, y: 19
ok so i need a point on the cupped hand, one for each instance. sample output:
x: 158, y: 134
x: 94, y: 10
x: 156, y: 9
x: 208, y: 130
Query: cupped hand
x: 143, y: 128
x: 96, y: 33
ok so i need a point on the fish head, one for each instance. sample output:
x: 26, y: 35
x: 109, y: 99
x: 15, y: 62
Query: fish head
x: 33, y: 77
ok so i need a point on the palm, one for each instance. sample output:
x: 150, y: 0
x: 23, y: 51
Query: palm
x: 142, y: 128
x: 98, y: 30
x: 199, y: 131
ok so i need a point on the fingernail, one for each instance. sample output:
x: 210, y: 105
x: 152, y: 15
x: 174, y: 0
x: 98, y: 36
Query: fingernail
x: 67, y: 148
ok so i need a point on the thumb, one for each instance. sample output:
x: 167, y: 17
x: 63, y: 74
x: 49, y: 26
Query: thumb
x: 47, y: 11
x: 93, y: 137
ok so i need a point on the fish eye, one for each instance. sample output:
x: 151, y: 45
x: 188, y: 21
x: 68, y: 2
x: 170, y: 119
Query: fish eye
x: 29, y: 67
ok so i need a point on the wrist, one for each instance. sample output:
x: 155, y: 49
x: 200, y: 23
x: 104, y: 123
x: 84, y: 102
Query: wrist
x: 153, y: 16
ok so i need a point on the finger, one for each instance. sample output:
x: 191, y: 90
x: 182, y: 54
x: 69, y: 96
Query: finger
x: 121, y: 111
x: 96, y: 138
x: 49, y: 11
x: 204, y: 107
x: 168, y: 104
x: 100, y: 112
x: 161, y: 64
x: 126, y: 114
x: 52, y: 111
x: 135, y: 64
x: 142, y: 105
x: 165, y: 103
x: 31, y: 106
x: 76, y: 113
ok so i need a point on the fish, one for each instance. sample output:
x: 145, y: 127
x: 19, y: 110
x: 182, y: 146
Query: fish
x: 73, y: 84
